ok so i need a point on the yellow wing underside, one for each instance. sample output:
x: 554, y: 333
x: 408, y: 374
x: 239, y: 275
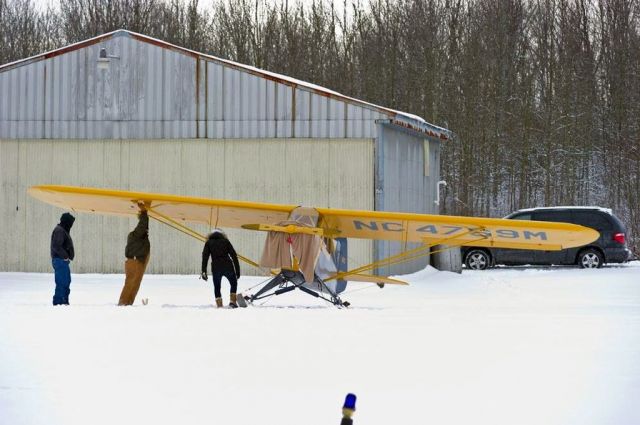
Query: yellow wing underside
x: 379, y: 225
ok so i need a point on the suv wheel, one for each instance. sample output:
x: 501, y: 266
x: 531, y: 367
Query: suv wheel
x: 477, y: 259
x: 590, y: 259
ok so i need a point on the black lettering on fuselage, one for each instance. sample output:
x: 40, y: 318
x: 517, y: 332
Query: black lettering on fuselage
x: 391, y: 226
x: 388, y: 227
x: 531, y: 235
x: 481, y: 233
x: 429, y: 228
x: 506, y: 233
x: 359, y: 225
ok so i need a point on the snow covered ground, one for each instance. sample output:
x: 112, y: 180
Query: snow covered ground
x: 505, y: 346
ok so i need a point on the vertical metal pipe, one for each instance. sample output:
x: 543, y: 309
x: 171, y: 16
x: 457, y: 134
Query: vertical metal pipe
x: 197, y: 97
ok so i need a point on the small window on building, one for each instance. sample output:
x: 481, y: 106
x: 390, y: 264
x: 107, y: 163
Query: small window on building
x: 426, y: 157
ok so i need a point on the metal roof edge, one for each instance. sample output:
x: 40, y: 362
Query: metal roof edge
x: 423, y: 128
x: 284, y: 79
x: 403, y: 119
x: 63, y: 50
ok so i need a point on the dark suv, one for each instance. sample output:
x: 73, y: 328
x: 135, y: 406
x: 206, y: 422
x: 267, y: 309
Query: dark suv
x: 610, y: 247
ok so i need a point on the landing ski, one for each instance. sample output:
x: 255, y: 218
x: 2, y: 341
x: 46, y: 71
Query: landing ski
x: 241, y: 301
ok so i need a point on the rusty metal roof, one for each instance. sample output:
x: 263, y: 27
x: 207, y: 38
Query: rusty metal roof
x: 406, y: 120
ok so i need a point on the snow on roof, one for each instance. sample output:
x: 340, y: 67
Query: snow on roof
x: 566, y: 207
x: 403, y: 119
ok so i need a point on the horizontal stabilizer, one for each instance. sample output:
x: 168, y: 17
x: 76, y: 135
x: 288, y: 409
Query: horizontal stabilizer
x: 359, y: 277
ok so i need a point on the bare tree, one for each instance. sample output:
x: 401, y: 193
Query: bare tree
x: 543, y: 95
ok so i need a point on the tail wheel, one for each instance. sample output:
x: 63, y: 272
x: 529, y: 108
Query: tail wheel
x: 590, y: 259
x: 477, y: 259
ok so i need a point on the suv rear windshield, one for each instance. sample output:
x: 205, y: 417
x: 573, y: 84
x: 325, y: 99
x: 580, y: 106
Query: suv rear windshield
x: 594, y: 219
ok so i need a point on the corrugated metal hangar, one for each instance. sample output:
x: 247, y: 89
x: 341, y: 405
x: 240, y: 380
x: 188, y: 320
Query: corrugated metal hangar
x: 130, y: 112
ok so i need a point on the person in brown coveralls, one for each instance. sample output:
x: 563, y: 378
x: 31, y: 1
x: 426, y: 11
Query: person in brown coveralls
x: 137, y: 251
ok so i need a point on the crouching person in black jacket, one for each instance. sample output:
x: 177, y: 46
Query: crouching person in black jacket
x: 62, y: 254
x: 224, y: 263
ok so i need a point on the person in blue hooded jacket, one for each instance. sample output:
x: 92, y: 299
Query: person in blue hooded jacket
x: 62, y: 254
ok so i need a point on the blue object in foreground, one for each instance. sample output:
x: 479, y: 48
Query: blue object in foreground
x: 350, y: 402
x: 348, y: 408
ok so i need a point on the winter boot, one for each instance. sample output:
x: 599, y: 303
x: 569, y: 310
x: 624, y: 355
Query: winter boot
x: 219, y: 302
x: 233, y: 301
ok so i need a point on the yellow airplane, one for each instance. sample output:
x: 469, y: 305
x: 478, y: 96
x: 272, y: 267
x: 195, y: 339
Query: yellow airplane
x: 300, y: 248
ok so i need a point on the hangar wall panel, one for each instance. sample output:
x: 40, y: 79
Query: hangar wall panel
x: 328, y: 173
x: 402, y: 184
x: 154, y: 92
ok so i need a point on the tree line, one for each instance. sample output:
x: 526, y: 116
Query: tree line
x: 543, y: 95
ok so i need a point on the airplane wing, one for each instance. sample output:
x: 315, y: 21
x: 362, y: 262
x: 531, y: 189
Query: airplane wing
x: 457, y: 230
x: 213, y: 212
x: 403, y: 227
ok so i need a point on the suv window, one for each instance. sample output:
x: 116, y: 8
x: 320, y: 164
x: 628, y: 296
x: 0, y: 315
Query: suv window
x: 594, y: 219
x: 524, y: 216
x: 559, y: 216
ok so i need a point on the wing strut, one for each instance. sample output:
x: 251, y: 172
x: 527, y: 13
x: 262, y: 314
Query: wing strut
x: 409, y: 255
x: 188, y: 231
